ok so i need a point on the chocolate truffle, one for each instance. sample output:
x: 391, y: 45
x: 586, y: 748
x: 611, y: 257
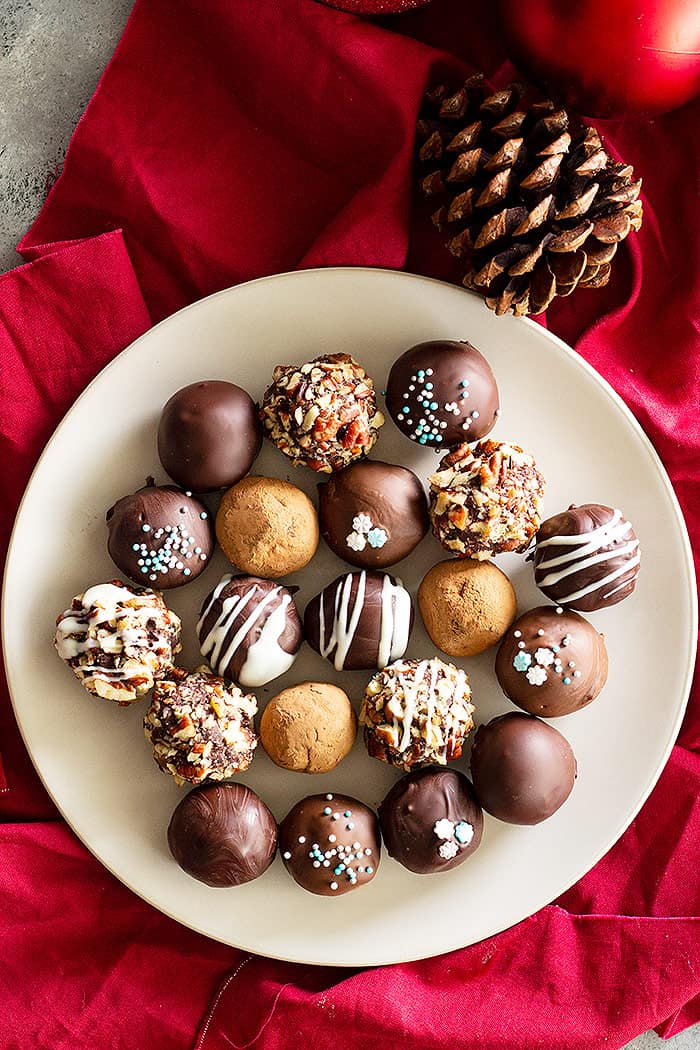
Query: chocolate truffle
x: 587, y: 557
x: 208, y: 436
x: 467, y: 606
x: 200, y: 726
x: 249, y: 629
x: 523, y: 769
x: 160, y: 535
x: 330, y: 844
x: 223, y: 835
x: 417, y: 712
x: 118, y: 641
x: 308, y: 728
x: 486, y: 500
x: 552, y: 662
x: 322, y: 414
x: 361, y: 620
x: 373, y: 514
x: 442, y: 393
x: 431, y: 820
x: 267, y: 527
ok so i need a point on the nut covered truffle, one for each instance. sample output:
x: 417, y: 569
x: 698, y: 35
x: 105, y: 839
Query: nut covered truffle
x: 201, y: 727
x: 587, y: 557
x: 552, y: 662
x: 118, y: 640
x: 467, y: 606
x: 322, y: 414
x: 223, y: 834
x: 308, y: 728
x: 249, y: 629
x: 486, y: 500
x: 417, y: 712
x: 330, y: 844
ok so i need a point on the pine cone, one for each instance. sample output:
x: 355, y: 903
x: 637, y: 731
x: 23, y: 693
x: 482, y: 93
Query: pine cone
x: 535, y: 206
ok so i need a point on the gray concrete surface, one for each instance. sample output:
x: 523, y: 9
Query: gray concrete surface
x: 52, y: 53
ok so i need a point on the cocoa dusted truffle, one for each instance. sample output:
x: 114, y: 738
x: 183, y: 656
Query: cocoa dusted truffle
x: 467, y: 606
x: 308, y: 728
x: 249, y: 629
x: 330, y: 844
x: 361, y: 620
x: 322, y: 414
x: 223, y: 835
x: 373, y: 514
x: 208, y: 436
x: 160, y: 535
x: 523, y: 769
x: 552, y: 662
x: 118, y: 641
x: 431, y: 820
x: 486, y: 500
x: 587, y: 557
x: 417, y: 712
x: 442, y: 393
x: 200, y: 726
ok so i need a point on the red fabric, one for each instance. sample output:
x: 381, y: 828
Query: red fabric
x: 229, y: 140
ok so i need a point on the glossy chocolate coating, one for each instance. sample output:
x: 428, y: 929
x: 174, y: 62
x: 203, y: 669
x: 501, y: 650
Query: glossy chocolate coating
x: 587, y: 557
x: 160, y: 536
x: 223, y: 834
x: 449, y: 391
x: 373, y: 514
x: 208, y: 436
x: 523, y: 769
x: 552, y: 662
x: 355, y: 640
x: 249, y: 629
x: 431, y: 820
x: 330, y: 844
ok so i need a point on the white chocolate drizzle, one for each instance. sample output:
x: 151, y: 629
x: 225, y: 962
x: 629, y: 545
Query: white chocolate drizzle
x: 586, y: 552
x: 394, y: 624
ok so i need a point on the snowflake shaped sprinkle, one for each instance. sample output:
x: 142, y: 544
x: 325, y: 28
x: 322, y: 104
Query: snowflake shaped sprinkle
x: 376, y: 537
x: 521, y: 661
x: 544, y: 657
x: 452, y: 406
x: 362, y: 523
x: 448, y: 850
x: 537, y: 676
x: 464, y: 833
x: 356, y: 541
x: 444, y: 829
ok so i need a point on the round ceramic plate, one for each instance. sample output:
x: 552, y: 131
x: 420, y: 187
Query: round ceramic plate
x: 92, y: 755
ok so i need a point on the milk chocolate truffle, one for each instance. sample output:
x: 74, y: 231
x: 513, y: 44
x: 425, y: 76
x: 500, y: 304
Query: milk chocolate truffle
x: 267, y: 527
x: 373, y: 514
x: 208, y: 436
x: 552, y: 662
x: 587, y: 557
x: 486, y: 500
x: 361, y: 620
x: 442, y: 393
x: 417, y: 712
x: 118, y: 641
x: 322, y: 414
x: 249, y: 629
x: 467, y: 606
x: 308, y: 728
x: 223, y: 835
x: 160, y: 535
x: 523, y: 769
x: 200, y: 726
x: 330, y: 844
x: 431, y: 820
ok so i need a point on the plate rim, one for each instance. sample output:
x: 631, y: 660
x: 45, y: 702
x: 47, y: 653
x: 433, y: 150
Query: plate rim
x: 631, y: 421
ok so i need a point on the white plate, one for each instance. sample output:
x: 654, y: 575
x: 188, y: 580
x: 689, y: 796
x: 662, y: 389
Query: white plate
x: 92, y: 755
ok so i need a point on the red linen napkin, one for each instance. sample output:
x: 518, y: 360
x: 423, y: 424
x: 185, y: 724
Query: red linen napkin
x: 228, y: 141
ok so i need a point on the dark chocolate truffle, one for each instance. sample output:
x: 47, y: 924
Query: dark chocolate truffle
x: 486, y: 500
x: 373, y: 514
x: 249, y: 629
x: 330, y: 844
x: 323, y: 413
x: 361, y: 620
x: 431, y: 820
x: 208, y: 435
x: 552, y: 662
x: 523, y: 769
x: 223, y: 835
x: 160, y: 535
x: 442, y: 393
x: 587, y: 557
